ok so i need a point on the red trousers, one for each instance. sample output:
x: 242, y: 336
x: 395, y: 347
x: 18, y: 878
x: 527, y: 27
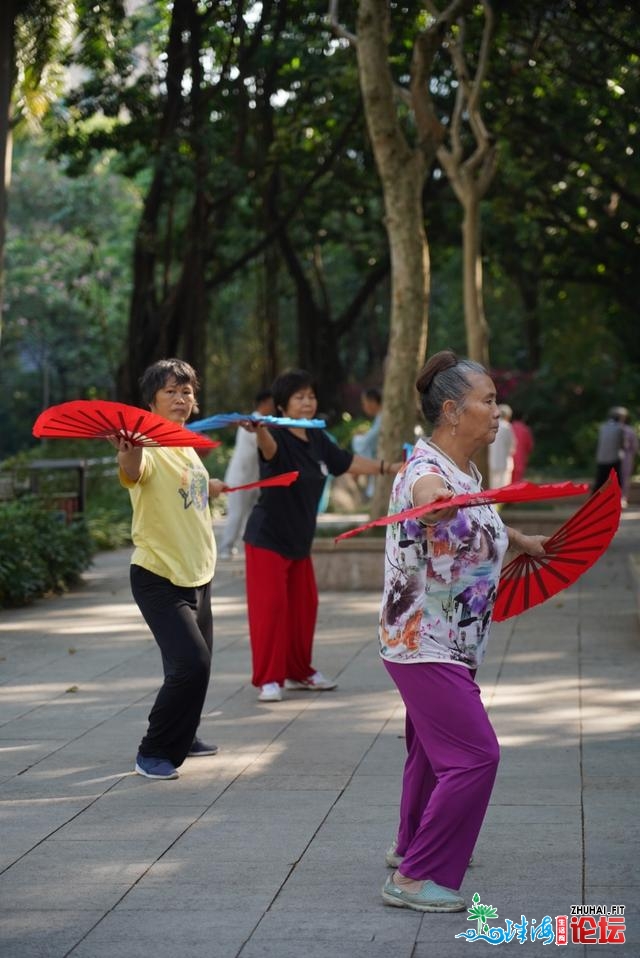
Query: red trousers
x: 282, y: 602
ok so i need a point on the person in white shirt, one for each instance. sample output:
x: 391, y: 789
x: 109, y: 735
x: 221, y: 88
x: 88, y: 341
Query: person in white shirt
x: 502, y: 450
x: 366, y: 443
x: 243, y: 468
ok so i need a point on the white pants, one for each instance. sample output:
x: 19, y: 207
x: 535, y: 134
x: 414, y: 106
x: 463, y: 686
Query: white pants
x: 239, y: 505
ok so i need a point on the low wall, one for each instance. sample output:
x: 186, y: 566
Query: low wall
x: 358, y: 563
x: 541, y: 522
x: 349, y: 566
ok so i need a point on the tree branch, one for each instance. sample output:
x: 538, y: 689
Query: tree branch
x: 294, y: 207
x: 353, y: 309
x: 337, y: 27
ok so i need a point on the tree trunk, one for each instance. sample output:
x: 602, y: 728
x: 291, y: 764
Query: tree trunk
x: 269, y: 306
x: 189, y: 321
x: 475, y: 322
x: 317, y: 348
x: 7, y: 56
x: 410, y: 286
x: 269, y: 313
x: 528, y: 287
x: 471, y: 174
x: 148, y: 333
x: 474, y: 318
x: 402, y: 171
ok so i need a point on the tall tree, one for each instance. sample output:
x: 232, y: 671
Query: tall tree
x: 7, y: 47
x: 403, y: 160
x: 562, y: 97
x: 28, y: 38
x: 470, y: 170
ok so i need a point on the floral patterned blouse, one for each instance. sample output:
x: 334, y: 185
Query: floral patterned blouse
x: 440, y: 581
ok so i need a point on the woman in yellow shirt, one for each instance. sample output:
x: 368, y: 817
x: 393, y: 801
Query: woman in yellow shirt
x: 171, y: 568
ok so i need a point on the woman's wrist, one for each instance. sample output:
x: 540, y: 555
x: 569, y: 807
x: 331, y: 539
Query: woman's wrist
x: 515, y: 539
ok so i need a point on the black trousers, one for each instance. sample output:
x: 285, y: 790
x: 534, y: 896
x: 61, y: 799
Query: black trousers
x: 602, y: 473
x: 182, y: 625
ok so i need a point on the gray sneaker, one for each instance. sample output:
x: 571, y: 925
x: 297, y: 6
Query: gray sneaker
x: 430, y: 897
x: 393, y: 860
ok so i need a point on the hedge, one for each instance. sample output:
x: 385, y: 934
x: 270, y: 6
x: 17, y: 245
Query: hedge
x: 39, y: 551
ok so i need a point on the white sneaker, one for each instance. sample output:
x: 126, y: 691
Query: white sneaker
x: 315, y: 683
x: 391, y: 857
x: 271, y: 692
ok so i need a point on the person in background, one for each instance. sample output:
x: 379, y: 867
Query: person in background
x: 524, y: 447
x: 366, y: 443
x: 282, y: 598
x: 243, y: 468
x: 502, y: 450
x: 441, y: 577
x: 172, y: 566
x: 630, y: 452
x: 610, y: 448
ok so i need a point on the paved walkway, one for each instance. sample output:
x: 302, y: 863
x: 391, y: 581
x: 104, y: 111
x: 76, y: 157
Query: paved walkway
x: 274, y: 848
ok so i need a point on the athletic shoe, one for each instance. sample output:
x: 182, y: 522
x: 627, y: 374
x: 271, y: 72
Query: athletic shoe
x: 315, y: 683
x: 430, y: 897
x: 199, y: 748
x: 393, y: 860
x: 270, y: 692
x: 160, y: 768
x: 391, y: 857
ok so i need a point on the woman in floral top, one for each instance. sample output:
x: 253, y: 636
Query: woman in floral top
x: 441, y: 575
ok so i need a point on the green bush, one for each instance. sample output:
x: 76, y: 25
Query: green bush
x: 39, y: 551
x: 109, y: 528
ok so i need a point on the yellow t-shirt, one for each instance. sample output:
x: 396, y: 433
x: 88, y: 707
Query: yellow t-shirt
x: 171, y: 526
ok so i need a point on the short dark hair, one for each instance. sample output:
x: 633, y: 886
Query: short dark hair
x: 372, y: 393
x: 288, y: 383
x: 444, y: 377
x: 262, y: 395
x: 155, y: 377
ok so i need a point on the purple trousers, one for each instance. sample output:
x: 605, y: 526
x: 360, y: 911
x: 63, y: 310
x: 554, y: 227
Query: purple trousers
x: 452, y: 759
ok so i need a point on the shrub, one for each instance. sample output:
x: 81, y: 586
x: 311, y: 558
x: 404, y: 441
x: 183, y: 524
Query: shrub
x: 39, y: 551
x: 109, y: 528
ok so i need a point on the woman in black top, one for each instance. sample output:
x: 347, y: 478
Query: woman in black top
x: 282, y: 597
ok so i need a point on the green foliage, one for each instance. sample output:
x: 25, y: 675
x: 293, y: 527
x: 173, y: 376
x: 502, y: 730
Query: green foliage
x: 108, y: 528
x: 563, y: 101
x: 344, y: 429
x: 39, y: 551
x: 284, y: 144
x: 107, y: 509
x: 68, y: 282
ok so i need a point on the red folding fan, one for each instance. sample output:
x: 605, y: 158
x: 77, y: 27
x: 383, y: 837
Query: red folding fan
x: 516, y: 492
x: 571, y: 550
x: 283, y: 479
x: 99, y: 418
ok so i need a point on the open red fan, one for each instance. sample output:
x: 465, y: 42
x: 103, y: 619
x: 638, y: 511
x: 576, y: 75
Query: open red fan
x: 283, y: 479
x: 99, y: 418
x: 516, y: 492
x: 571, y: 550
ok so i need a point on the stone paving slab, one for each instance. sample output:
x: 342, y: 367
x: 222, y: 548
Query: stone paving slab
x: 275, y: 847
